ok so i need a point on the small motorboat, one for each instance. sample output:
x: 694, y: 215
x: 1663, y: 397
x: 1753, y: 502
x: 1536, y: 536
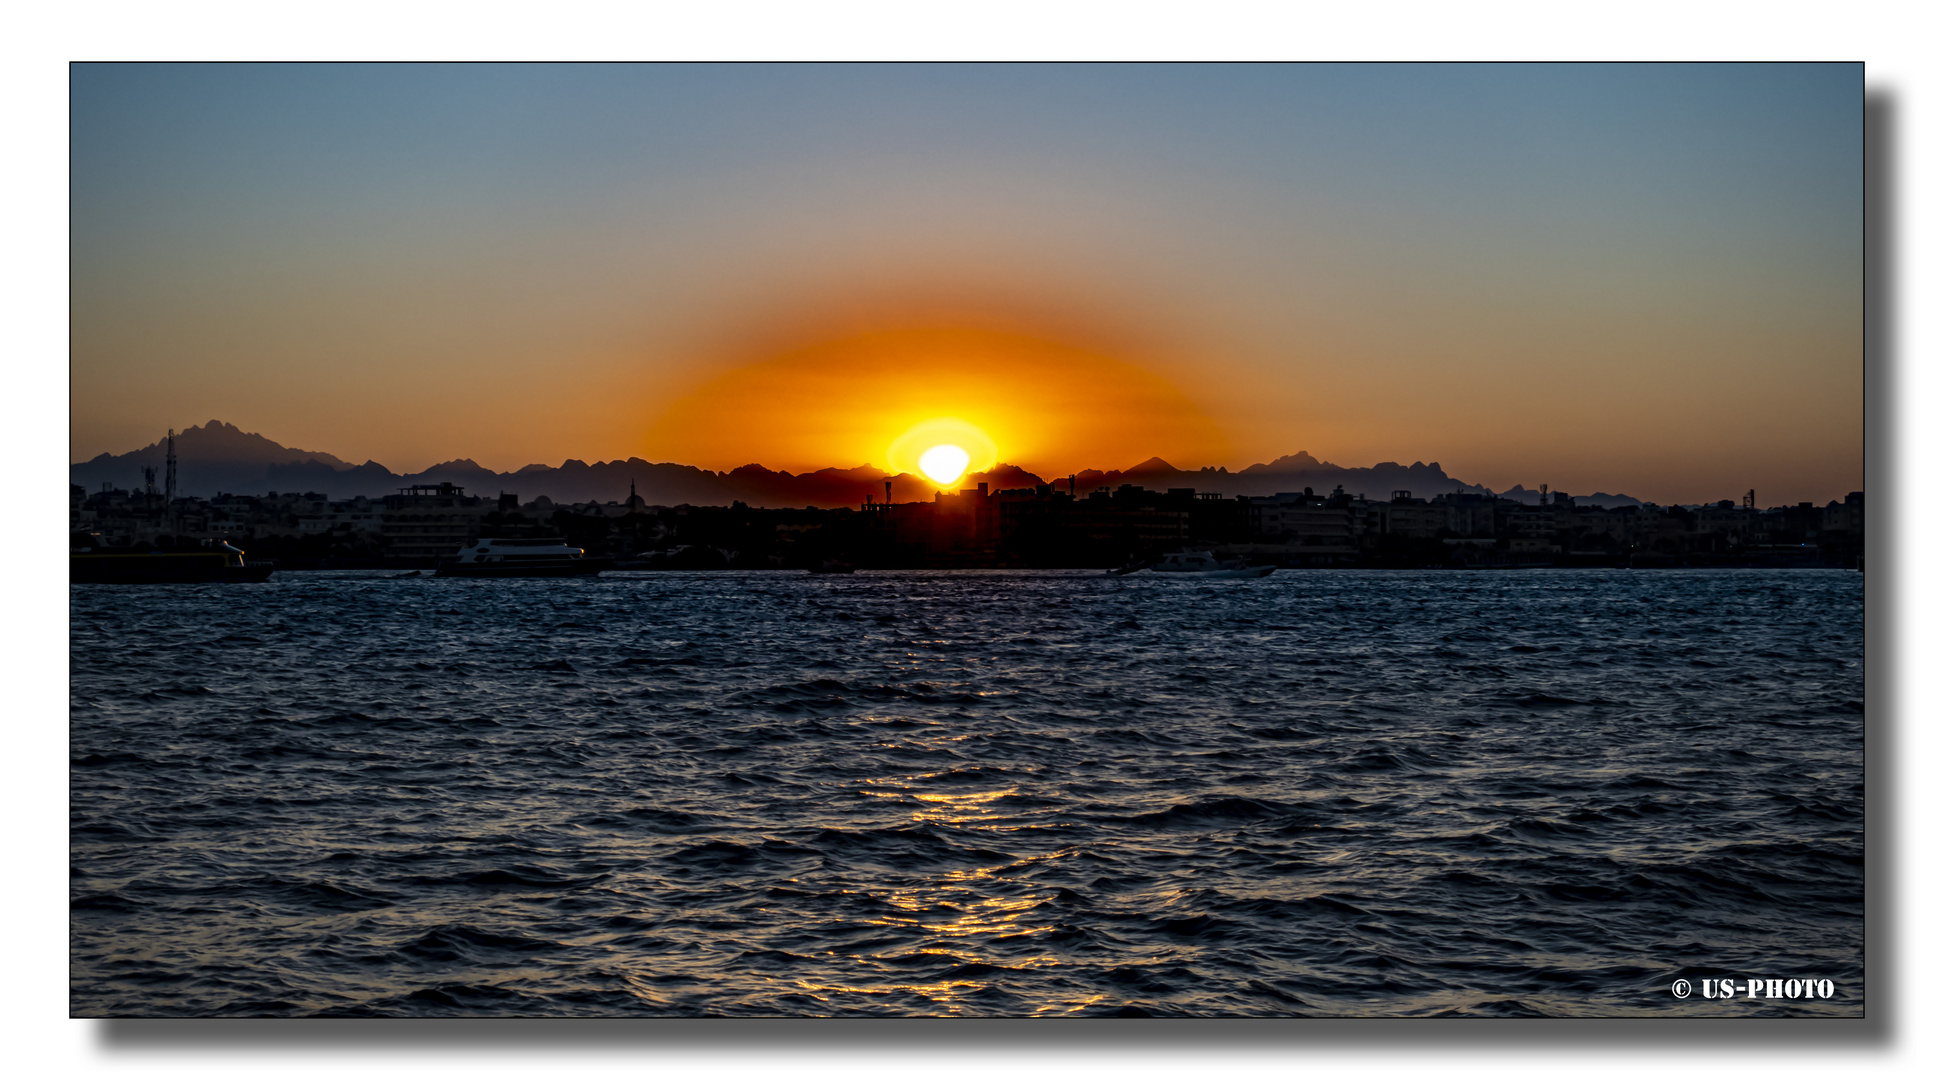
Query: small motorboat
x: 1204, y: 564
x: 831, y: 566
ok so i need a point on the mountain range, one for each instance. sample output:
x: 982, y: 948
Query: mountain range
x: 218, y: 457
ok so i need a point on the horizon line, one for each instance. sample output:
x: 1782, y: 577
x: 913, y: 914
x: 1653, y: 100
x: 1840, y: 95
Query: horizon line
x: 1255, y: 469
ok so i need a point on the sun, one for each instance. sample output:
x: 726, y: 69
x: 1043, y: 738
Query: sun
x: 805, y: 402
x: 944, y: 463
x: 942, y: 450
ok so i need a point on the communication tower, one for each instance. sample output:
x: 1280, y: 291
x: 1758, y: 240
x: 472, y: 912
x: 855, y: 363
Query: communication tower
x: 171, y: 468
x: 1749, y: 498
x: 1544, y: 494
x: 147, y: 473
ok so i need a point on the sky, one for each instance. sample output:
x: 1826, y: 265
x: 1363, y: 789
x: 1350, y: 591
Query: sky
x: 1623, y: 278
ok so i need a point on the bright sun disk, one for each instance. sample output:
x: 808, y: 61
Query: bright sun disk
x: 942, y: 450
x: 943, y: 464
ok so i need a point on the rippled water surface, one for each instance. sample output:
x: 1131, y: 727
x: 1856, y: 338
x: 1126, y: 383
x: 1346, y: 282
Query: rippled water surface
x: 1006, y: 793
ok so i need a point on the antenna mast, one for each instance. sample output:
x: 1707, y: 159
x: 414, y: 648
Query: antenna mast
x: 171, y: 467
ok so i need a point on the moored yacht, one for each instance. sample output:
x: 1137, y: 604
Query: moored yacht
x: 213, y: 560
x: 521, y: 557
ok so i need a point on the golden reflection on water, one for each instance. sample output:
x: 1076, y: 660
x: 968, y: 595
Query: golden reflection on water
x: 951, y: 910
x: 955, y: 907
x: 962, y: 810
x: 1070, y: 1006
x: 960, y: 913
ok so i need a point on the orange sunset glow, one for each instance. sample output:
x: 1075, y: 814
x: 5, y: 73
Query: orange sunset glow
x: 887, y: 398
x: 1087, y: 266
x: 942, y: 450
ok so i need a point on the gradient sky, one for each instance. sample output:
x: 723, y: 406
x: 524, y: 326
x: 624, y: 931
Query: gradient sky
x: 1626, y: 278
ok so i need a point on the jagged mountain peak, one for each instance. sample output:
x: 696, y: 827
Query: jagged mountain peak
x: 1301, y: 459
x: 219, y: 456
x: 219, y: 441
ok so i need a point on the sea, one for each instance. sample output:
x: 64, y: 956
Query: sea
x: 1324, y: 793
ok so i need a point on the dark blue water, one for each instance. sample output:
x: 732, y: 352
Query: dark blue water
x: 1007, y: 793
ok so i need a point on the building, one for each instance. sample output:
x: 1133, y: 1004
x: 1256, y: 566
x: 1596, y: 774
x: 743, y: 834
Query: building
x: 348, y: 516
x: 1313, y: 521
x: 423, y: 523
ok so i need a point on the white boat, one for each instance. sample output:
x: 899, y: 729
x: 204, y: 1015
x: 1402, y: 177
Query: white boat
x: 521, y: 557
x: 1203, y: 564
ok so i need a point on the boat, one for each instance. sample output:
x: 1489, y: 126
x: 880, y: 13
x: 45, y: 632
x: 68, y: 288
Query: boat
x: 213, y: 561
x: 1204, y: 564
x: 830, y: 566
x: 521, y: 557
x: 682, y: 557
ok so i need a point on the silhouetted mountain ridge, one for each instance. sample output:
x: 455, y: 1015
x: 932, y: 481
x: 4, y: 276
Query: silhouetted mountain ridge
x: 218, y: 443
x: 219, y: 457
